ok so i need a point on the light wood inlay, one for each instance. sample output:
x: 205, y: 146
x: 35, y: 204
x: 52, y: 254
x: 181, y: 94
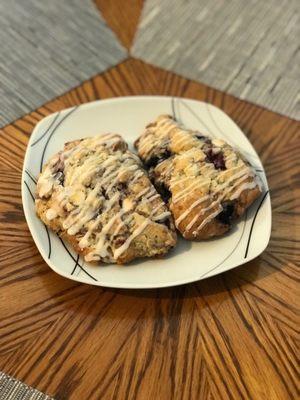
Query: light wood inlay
x: 122, y: 17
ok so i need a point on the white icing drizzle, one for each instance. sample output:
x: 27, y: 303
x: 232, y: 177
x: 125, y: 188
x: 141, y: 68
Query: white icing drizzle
x: 75, y: 221
x: 241, y: 188
x: 160, y: 133
x: 198, y: 176
x: 120, y: 250
x: 175, y: 181
x: 206, y: 221
x: 45, y: 183
x: 144, y: 192
x: 224, y: 192
x: 92, y: 173
x: 160, y: 205
x: 101, y: 241
x: 51, y: 214
x: 245, y: 186
x: 189, y: 209
x: 203, y: 211
x: 124, y: 247
x: 162, y: 216
x: 169, y: 167
x: 218, y: 142
x: 242, y: 173
x: 163, y: 127
x: 185, y: 137
x: 231, y: 157
x: 185, y: 192
x: 138, y: 175
x: 84, y: 241
x: 119, y: 227
x: 155, y: 196
x: 193, y: 221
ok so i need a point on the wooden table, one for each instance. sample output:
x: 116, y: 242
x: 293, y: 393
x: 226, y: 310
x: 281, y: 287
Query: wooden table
x: 232, y: 336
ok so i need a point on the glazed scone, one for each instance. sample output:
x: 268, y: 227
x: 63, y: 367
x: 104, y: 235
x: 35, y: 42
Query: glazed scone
x: 206, y: 183
x: 95, y: 194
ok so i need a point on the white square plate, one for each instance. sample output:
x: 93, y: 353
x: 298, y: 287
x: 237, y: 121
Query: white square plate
x: 189, y: 261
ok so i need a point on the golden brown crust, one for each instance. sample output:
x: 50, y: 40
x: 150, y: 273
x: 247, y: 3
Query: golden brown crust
x: 206, y: 183
x: 96, y: 195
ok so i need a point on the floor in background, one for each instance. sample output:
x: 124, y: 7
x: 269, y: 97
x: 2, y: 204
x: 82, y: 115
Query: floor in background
x: 47, y: 48
x: 247, y: 48
x: 12, y: 389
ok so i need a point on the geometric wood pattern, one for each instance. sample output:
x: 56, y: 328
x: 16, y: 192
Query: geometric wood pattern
x: 122, y: 17
x: 232, y: 336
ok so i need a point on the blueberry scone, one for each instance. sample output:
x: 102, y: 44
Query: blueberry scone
x: 95, y: 194
x: 206, y: 183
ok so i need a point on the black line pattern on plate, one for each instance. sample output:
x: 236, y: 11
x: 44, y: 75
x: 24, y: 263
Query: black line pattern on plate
x: 76, y: 261
x: 253, y: 221
x: 196, y: 116
x: 46, y: 229
x: 52, y: 133
x: 32, y: 196
x: 31, y: 176
x: 232, y: 251
x: 76, y: 265
x: 179, y: 119
x: 177, y: 113
x: 47, y: 130
x: 173, y: 108
x: 222, y: 134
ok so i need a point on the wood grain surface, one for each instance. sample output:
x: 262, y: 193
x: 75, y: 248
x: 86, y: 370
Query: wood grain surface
x: 233, y: 336
x: 122, y: 17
